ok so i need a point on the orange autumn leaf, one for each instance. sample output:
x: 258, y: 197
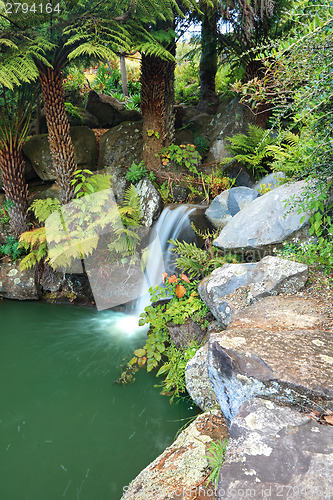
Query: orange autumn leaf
x: 164, y: 276
x: 173, y: 279
x: 184, y: 278
x: 180, y: 291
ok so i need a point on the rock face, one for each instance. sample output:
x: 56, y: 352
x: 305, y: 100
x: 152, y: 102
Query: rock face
x: 150, y: 202
x: 108, y: 111
x: 38, y: 152
x: 122, y: 145
x: 180, y: 468
x: 293, y: 367
x: 197, y: 381
x: 231, y: 118
x: 276, y: 453
x: 16, y: 284
x: 266, y: 222
x: 270, y: 181
x: 184, y: 335
x: 229, y: 203
x: 270, y: 276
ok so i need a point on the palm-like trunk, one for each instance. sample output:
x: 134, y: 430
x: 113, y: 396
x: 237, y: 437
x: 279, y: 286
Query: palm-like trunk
x: 157, y: 106
x: 152, y: 108
x: 61, y: 146
x: 15, y: 187
x: 208, y: 99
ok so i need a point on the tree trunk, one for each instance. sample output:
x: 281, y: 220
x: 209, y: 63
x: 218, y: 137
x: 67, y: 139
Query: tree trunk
x: 61, y: 146
x: 208, y: 99
x: 157, y: 106
x: 152, y: 109
x: 122, y: 62
x: 15, y: 187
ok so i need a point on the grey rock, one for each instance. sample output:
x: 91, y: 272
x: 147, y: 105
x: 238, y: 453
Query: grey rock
x: 38, y: 152
x: 17, y: 284
x: 240, y: 174
x: 270, y: 276
x: 293, y: 367
x: 275, y: 452
x: 270, y: 181
x: 266, y: 222
x: 109, y: 111
x: 229, y: 203
x: 220, y: 283
x: 182, y: 465
x: 231, y: 118
x: 121, y: 145
x: 197, y: 380
x: 183, y: 335
x: 150, y: 202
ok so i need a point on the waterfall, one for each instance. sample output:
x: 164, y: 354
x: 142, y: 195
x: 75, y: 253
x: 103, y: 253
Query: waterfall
x: 173, y: 223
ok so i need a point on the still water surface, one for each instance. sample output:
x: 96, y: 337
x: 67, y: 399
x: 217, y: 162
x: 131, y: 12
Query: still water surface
x: 67, y: 431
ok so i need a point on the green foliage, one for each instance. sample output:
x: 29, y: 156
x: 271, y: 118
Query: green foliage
x: 86, y: 182
x: 11, y: 248
x: 187, y: 73
x: 34, y: 244
x: 73, y: 111
x: 183, y: 303
x: 174, y: 369
x: 201, y: 144
x: 42, y: 209
x: 216, y: 458
x: 197, y: 262
x: 136, y: 172
x: 4, y: 215
x: 133, y: 102
x: 290, y: 154
x: 107, y: 80
x: 183, y: 156
x: 251, y: 150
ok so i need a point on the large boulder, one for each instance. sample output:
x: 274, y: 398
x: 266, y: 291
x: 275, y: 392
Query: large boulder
x: 275, y: 452
x: 229, y: 203
x: 292, y: 367
x: 37, y: 150
x: 150, y: 202
x: 181, y: 468
x: 109, y: 111
x: 267, y: 222
x: 121, y: 145
x: 197, y: 380
x: 270, y: 181
x: 184, y: 335
x: 231, y: 118
x: 270, y: 276
x: 17, y: 284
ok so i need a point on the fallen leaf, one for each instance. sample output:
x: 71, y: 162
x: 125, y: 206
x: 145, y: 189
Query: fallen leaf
x: 329, y: 419
x: 184, y: 278
x: 164, y: 276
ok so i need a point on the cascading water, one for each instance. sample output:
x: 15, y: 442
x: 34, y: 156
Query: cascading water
x: 173, y: 223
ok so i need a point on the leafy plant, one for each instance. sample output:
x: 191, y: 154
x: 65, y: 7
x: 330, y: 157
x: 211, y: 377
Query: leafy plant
x: 136, y: 172
x: 73, y: 111
x: 133, y: 102
x: 197, y: 262
x: 107, y: 80
x: 86, y: 182
x: 4, y: 215
x: 201, y: 144
x: 11, y: 248
x: 183, y: 303
x: 183, y: 156
x: 216, y: 458
x: 251, y: 150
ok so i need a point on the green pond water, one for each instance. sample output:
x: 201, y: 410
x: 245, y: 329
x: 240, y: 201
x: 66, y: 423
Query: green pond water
x: 67, y: 431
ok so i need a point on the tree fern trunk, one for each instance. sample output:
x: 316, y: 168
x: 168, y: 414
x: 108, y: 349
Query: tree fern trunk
x: 15, y: 187
x: 152, y: 108
x: 60, y: 141
x: 208, y: 100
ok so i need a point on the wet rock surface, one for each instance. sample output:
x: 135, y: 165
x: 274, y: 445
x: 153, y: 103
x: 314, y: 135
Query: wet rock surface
x: 181, y: 467
x: 275, y: 452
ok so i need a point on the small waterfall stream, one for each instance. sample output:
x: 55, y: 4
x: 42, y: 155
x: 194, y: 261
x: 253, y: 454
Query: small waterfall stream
x: 173, y: 223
